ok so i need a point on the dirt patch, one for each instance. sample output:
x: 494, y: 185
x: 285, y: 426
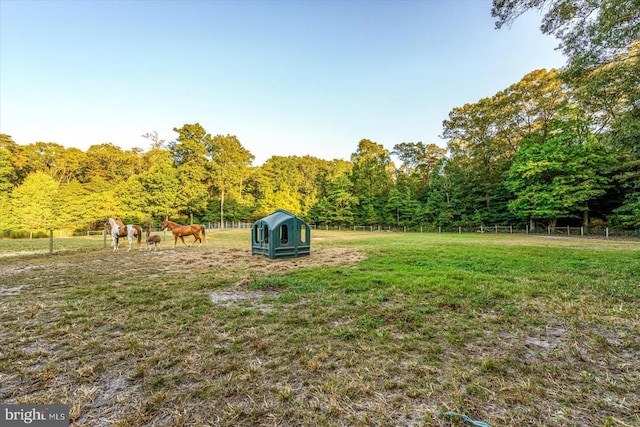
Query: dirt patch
x: 11, y: 291
x: 225, y: 297
x: 165, y: 263
x: 237, y: 259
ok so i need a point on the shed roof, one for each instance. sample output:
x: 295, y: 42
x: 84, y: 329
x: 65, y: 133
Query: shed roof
x: 277, y: 217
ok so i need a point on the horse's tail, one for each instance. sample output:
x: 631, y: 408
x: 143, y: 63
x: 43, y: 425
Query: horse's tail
x: 203, y: 229
x: 139, y: 233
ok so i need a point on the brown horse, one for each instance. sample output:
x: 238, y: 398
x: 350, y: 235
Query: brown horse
x: 182, y: 231
x: 117, y: 229
x: 203, y: 230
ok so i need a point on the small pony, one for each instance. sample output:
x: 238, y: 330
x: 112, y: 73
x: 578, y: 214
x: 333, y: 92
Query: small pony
x: 152, y: 240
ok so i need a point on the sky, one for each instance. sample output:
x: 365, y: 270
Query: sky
x: 287, y: 78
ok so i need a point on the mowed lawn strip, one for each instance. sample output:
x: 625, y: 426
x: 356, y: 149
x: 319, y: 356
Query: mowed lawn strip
x: 509, y: 330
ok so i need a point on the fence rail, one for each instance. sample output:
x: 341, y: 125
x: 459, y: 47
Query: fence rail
x: 605, y: 232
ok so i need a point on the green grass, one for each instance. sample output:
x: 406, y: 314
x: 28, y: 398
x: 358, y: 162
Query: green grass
x: 509, y: 330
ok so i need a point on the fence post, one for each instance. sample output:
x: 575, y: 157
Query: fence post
x: 496, y: 229
x: 549, y: 230
x: 439, y: 229
x: 582, y: 231
x: 607, y: 232
x: 527, y: 228
x: 568, y: 231
x: 511, y: 229
x: 459, y: 230
x: 50, y: 241
x: 481, y: 229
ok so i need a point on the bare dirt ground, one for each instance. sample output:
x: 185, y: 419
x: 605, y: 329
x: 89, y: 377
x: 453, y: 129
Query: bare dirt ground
x: 21, y: 274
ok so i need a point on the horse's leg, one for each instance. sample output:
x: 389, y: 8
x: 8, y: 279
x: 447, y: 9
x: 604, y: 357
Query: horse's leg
x: 130, y: 243
x: 182, y: 238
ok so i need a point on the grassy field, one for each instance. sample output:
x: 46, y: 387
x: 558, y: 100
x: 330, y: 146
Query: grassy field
x: 372, y: 329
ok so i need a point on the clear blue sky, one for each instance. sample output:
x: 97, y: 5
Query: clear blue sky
x: 285, y: 77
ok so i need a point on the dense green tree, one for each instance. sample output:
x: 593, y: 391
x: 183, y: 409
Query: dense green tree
x: 591, y: 32
x: 418, y: 160
x: 313, y: 172
x: 556, y: 177
x: 191, y: 145
x: 18, y: 158
x: 6, y: 219
x: 339, y: 202
x: 131, y: 196
x: 74, y: 207
x: 395, y: 207
x: 105, y: 203
x: 230, y: 163
x: 160, y: 187
x: 111, y: 163
x: 601, y: 41
x: 193, y: 191
x: 474, y: 144
x: 6, y: 171
x: 628, y: 214
x: 335, y: 200
x: 292, y: 183
x: 33, y: 202
x: 372, y: 180
x: 484, y: 138
x: 192, y: 159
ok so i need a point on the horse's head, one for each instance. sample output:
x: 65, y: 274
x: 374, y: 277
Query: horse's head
x: 165, y: 223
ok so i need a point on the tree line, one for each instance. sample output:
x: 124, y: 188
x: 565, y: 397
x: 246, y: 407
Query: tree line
x: 559, y: 147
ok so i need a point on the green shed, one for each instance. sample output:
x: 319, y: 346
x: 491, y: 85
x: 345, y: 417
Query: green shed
x: 280, y: 235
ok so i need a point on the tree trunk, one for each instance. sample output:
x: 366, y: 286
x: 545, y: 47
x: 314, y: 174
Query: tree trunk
x: 585, y: 215
x: 221, y: 210
x: 554, y: 221
x: 532, y: 224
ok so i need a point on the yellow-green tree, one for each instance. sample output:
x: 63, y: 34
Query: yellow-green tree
x: 74, y: 207
x: 191, y: 158
x: 230, y: 163
x: 33, y: 202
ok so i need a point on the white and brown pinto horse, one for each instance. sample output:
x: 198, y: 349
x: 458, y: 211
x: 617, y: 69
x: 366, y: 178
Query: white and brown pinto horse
x: 117, y: 229
x: 182, y: 231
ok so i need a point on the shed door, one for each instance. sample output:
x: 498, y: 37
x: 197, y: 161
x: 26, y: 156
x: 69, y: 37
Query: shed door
x: 284, y: 234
